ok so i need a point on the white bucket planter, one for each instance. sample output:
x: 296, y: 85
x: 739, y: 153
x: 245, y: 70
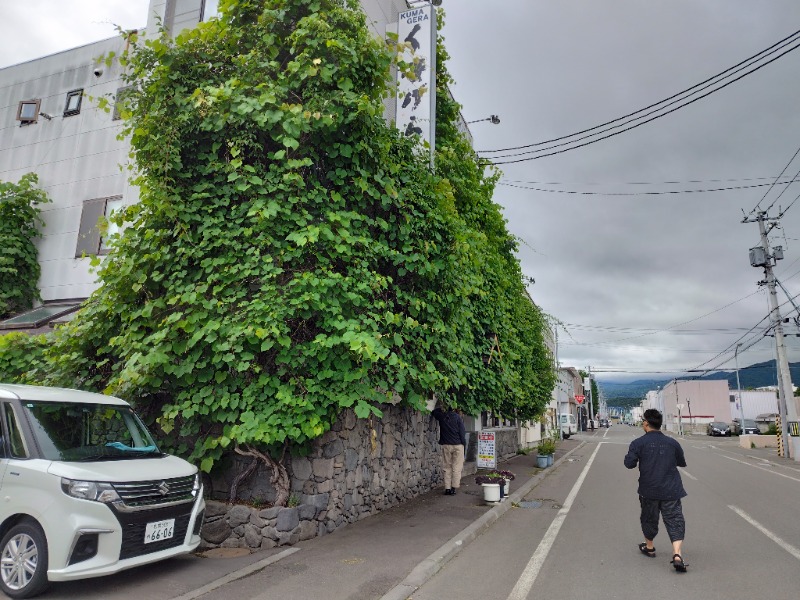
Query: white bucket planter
x: 491, y: 492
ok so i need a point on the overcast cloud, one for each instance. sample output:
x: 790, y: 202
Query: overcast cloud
x: 613, y: 268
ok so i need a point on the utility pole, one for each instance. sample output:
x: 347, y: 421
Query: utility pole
x: 591, y: 401
x: 760, y: 256
x: 739, y: 389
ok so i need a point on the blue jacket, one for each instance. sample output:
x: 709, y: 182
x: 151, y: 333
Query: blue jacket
x: 658, y: 457
x: 451, y: 428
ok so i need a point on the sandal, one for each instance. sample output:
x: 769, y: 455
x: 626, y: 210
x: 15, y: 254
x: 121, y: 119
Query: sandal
x: 651, y: 552
x: 677, y: 562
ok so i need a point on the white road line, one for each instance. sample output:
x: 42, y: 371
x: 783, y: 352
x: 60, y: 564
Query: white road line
x: 531, y: 571
x: 783, y: 544
x: 761, y: 468
x: 689, y: 475
x: 244, y: 572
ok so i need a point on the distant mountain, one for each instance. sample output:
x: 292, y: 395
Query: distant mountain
x: 757, y: 375
x: 754, y: 376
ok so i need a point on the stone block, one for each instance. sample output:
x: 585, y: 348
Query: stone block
x: 215, y: 532
x: 239, y: 515
x: 323, y: 468
x: 301, y: 468
x: 284, y: 538
x: 333, y: 449
x: 319, y: 501
x: 758, y: 441
x: 325, y: 486
x: 288, y: 519
x: 268, y: 543
x: 308, y: 530
x: 252, y: 536
x: 269, y: 513
x: 306, y: 512
x: 215, y: 508
x: 350, y: 459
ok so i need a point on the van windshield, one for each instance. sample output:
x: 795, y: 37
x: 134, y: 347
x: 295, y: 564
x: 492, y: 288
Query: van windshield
x: 88, y: 432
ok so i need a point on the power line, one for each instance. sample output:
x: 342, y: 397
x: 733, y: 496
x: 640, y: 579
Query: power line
x: 683, y: 102
x: 659, y: 193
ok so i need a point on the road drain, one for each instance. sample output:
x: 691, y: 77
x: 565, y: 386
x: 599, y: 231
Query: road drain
x: 530, y: 504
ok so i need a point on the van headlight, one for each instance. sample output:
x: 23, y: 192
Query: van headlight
x: 89, y: 490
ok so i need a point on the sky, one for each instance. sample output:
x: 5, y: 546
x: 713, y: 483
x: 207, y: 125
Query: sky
x: 644, y: 274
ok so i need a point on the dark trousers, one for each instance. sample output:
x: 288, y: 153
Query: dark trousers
x: 672, y: 513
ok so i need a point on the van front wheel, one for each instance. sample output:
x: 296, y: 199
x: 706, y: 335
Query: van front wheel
x: 23, y: 561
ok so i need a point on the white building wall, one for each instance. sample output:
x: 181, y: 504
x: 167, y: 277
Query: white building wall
x: 79, y: 158
x: 754, y: 403
x: 76, y: 157
x: 708, y: 401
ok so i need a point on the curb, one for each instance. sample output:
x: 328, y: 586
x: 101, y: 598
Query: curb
x: 433, y: 563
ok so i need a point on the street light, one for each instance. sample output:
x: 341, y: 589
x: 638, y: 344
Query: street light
x: 679, y: 406
x: 493, y: 118
x: 739, y: 388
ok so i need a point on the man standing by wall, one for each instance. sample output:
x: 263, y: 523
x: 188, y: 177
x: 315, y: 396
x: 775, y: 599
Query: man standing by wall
x: 660, y: 485
x: 453, y: 440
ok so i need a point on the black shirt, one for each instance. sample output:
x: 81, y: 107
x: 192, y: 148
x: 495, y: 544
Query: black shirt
x: 451, y: 428
x: 658, y: 457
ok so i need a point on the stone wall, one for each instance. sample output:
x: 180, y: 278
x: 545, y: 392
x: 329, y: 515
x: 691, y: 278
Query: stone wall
x: 359, y: 468
x: 506, y: 442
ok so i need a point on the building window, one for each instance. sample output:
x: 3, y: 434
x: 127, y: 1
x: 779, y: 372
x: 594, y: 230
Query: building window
x: 209, y: 10
x: 73, y: 105
x: 91, y: 240
x: 28, y: 111
x: 119, y: 102
x: 43, y: 315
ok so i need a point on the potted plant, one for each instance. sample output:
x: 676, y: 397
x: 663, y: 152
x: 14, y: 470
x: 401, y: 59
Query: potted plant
x: 546, y: 448
x: 493, y: 484
x: 509, y: 477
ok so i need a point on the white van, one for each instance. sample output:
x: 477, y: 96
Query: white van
x: 569, y: 425
x: 86, y: 491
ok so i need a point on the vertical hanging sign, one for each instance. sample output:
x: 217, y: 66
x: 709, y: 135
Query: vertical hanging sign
x: 416, y: 85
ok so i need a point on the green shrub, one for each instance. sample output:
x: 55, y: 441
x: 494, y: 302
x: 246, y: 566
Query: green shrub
x: 19, y: 264
x: 22, y: 357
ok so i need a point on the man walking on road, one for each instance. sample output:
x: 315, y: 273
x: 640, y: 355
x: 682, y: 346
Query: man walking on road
x: 660, y: 487
x: 453, y: 440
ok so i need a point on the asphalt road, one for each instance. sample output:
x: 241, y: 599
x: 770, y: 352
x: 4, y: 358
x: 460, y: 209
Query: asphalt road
x: 578, y: 536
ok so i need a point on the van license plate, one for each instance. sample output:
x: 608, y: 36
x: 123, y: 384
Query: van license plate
x: 159, y: 530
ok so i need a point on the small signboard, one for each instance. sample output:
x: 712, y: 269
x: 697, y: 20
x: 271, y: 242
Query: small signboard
x: 487, y: 459
x: 794, y: 428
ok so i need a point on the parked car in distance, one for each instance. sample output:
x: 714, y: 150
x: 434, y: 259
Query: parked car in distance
x: 718, y: 428
x: 86, y: 491
x: 750, y: 427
